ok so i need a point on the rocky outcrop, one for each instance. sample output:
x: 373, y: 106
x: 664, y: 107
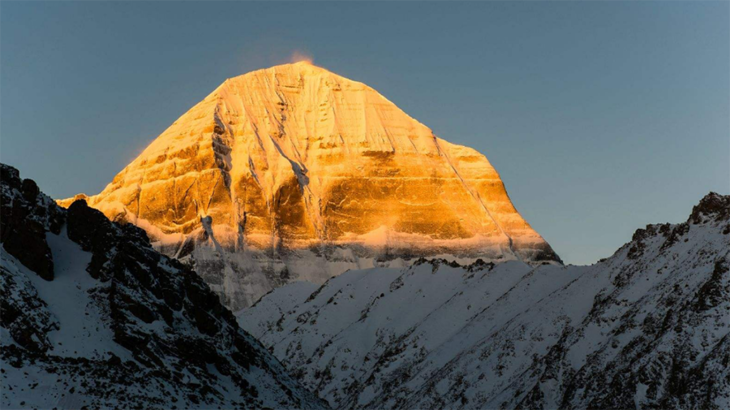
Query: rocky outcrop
x: 107, y: 322
x: 647, y: 328
x: 713, y: 207
x: 25, y: 216
x: 296, y: 173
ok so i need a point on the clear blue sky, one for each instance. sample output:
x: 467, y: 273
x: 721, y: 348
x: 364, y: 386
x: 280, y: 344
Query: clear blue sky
x: 601, y: 117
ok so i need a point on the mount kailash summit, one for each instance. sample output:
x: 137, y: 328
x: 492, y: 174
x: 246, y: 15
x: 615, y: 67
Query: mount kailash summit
x: 295, y: 173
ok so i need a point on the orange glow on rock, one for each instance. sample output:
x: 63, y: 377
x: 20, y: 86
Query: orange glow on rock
x: 295, y: 157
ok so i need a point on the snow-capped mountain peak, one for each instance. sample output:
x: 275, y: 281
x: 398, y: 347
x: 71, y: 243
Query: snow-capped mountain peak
x: 296, y: 173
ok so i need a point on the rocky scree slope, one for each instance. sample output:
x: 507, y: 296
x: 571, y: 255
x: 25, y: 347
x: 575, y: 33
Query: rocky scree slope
x: 92, y: 317
x: 647, y: 328
x: 296, y: 173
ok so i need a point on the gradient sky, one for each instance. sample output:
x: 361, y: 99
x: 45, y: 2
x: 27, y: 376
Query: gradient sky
x: 601, y: 117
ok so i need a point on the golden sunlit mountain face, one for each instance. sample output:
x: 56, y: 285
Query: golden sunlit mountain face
x: 295, y: 157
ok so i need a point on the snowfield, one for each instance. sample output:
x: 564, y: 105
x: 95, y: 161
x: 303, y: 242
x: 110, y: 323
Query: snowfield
x: 92, y: 317
x: 648, y: 327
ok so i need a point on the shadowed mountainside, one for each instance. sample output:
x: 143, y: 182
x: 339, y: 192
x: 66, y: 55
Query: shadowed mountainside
x: 648, y: 327
x: 92, y: 316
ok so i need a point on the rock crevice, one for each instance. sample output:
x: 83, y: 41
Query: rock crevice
x: 329, y: 175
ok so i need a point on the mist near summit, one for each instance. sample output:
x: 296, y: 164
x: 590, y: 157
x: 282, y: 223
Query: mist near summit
x: 462, y: 205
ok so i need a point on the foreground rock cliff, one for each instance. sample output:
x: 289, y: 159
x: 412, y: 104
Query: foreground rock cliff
x: 92, y: 317
x: 647, y: 328
x: 296, y: 173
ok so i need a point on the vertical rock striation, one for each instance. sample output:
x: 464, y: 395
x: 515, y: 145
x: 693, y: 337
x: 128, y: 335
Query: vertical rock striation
x: 294, y: 172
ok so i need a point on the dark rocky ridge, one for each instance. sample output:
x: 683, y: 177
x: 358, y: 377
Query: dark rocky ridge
x: 186, y: 350
x: 23, y: 223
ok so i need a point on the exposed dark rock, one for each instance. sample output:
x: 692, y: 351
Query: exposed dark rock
x: 24, y: 220
x: 647, y: 328
x: 182, y: 340
x: 9, y: 176
x: 712, y: 206
x: 16, y: 300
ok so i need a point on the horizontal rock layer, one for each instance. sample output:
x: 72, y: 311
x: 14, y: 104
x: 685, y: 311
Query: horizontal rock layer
x: 295, y: 162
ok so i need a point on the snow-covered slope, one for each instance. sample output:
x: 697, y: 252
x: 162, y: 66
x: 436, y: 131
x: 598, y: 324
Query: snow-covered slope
x: 92, y: 316
x: 648, y: 327
x: 295, y: 173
